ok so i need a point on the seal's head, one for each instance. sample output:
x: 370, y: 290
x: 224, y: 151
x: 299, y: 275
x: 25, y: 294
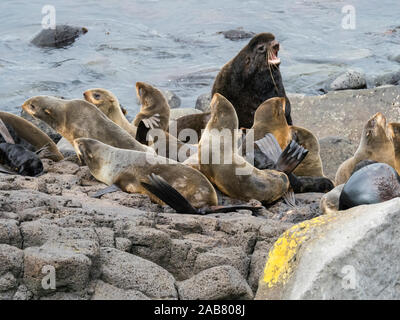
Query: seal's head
x: 148, y: 95
x: 223, y: 115
x: 271, y: 112
x: 89, y: 151
x: 375, y: 130
x: 394, y: 132
x: 45, y: 108
x: 103, y: 99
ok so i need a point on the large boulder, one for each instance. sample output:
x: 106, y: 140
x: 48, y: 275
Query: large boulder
x: 351, y: 254
x: 351, y: 79
x: 59, y: 37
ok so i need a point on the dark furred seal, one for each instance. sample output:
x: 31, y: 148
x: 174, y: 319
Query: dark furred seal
x: 20, y: 160
x: 59, y: 37
x: 252, y: 77
x: 373, y: 183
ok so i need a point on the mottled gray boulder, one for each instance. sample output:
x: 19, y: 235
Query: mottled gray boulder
x: 237, y: 34
x: 233, y: 256
x: 218, y: 283
x: 105, y: 291
x: 351, y: 254
x: 9, y: 233
x: 351, y: 79
x: 173, y: 100
x: 130, y: 272
x: 334, y: 151
x: 72, y: 268
x: 203, y: 102
x: 61, y: 36
x: 392, y: 78
x: 65, y: 147
x: 23, y: 293
x: 123, y: 244
x: 8, y: 282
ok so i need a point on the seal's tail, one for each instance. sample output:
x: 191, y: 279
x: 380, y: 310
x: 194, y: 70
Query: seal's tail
x: 172, y: 197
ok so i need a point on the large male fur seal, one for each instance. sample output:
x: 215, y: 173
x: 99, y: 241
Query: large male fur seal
x: 80, y: 119
x: 252, y: 77
x: 30, y: 137
x: 374, y: 145
x: 231, y: 173
x: 270, y: 118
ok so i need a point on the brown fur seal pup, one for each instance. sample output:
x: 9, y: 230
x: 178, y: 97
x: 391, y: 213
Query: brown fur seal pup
x: 108, y: 103
x: 374, y: 145
x: 80, y: 119
x: 231, y: 173
x: 394, y: 135
x: 270, y: 118
x: 28, y: 135
x: 183, y: 188
x: 252, y: 77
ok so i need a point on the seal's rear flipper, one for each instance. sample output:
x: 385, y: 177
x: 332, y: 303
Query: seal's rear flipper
x: 291, y: 157
x: 5, y: 133
x: 269, y: 146
x: 165, y: 192
x: 224, y: 209
x: 110, y: 189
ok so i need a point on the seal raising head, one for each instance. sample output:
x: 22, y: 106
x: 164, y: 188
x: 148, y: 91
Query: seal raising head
x: 252, y: 77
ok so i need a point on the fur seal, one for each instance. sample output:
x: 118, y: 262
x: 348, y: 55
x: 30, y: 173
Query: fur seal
x: 270, y: 118
x: 30, y: 137
x: 394, y: 135
x: 80, y: 119
x: 61, y: 36
x: 108, y: 103
x: 374, y: 183
x: 196, y: 122
x: 231, y: 173
x: 252, y: 77
x: 374, y: 145
x: 20, y: 160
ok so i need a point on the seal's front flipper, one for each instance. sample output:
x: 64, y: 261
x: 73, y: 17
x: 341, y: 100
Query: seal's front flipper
x: 110, y: 189
x: 5, y: 133
x: 291, y: 157
x: 269, y: 146
x: 224, y: 209
x: 165, y: 192
x: 141, y: 133
x: 5, y: 170
x: 289, y: 198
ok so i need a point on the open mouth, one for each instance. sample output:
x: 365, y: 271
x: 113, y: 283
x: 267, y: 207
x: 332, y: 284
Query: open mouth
x: 273, y: 54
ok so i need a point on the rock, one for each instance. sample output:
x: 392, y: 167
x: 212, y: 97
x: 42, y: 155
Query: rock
x: 237, y: 34
x: 65, y: 148
x: 9, y: 233
x: 105, y: 291
x: 344, y: 113
x: 352, y: 79
x: 203, y: 102
x: 233, y: 256
x: 218, y: 283
x: 176, y: 113
x: 130, y: 272
x: 334, y: 151
x: 62, y: 296
x: 23, y: 293
x: 173, y: 100
x: 351, y: 254
x: 123, y: 244
x: 392, y: 78
x: 11, y: 260
x: 7, y: 282
x: 106, y: 237
x: 54, y: 135
x: 61, y: 36
x: 395, y: 58
x: 72, y: 268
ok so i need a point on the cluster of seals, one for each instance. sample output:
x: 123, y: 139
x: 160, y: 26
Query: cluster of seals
x: 59, y: 37
x: 374, y: 145
x: 80, y: 119
x: 252, y: 77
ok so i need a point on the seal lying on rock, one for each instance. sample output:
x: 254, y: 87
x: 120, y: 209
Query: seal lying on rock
x: 61, y: 36
x: 80, y: 119
x: 163, y: 180
x: 30, y: 137
x: 374, y: 145
x: 252, y: 77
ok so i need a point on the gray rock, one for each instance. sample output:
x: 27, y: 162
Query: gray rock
x: 11, y: 260
x: 54, y: 135
x: 352, y: 79
x: 8, y: 282
x: 62, y: 296
x: 173, y: 100
x: 395, y: 58
x: 237, y: 34
x: 23, y: 293
x: 9, y: 233
x: 392, y: 78
x: 61, y: 36
x: 233, y: 256
x: 218, y: 283
x: 123, y: 244
x: 342, y: 255
x: 203, y: 102
x: 65, y: 147
x: 130, y: 272
x: 106, y: 237
x: 334, y: 151
x: 72, y: 268
x: 105, y: 291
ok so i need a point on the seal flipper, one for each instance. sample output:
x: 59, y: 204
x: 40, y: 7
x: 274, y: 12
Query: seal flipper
x: 165, y: 192
x: 109, y: 189
x: 5, y: 133
x: 141, y: 133
x: 5, y: 170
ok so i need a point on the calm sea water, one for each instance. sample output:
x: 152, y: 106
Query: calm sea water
x: 174, y: 44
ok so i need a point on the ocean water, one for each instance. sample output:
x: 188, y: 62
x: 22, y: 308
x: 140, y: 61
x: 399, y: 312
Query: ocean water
x: 175, y: 45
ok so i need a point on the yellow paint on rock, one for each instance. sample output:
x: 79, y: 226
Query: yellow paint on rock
x: 279, y: 265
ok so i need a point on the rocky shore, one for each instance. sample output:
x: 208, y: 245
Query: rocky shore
x: 125, y: 247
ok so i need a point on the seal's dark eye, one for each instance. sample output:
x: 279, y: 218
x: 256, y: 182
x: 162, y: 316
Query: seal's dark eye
x: 261, y: 48
x: 96, y: 96
x: 33, y: 107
